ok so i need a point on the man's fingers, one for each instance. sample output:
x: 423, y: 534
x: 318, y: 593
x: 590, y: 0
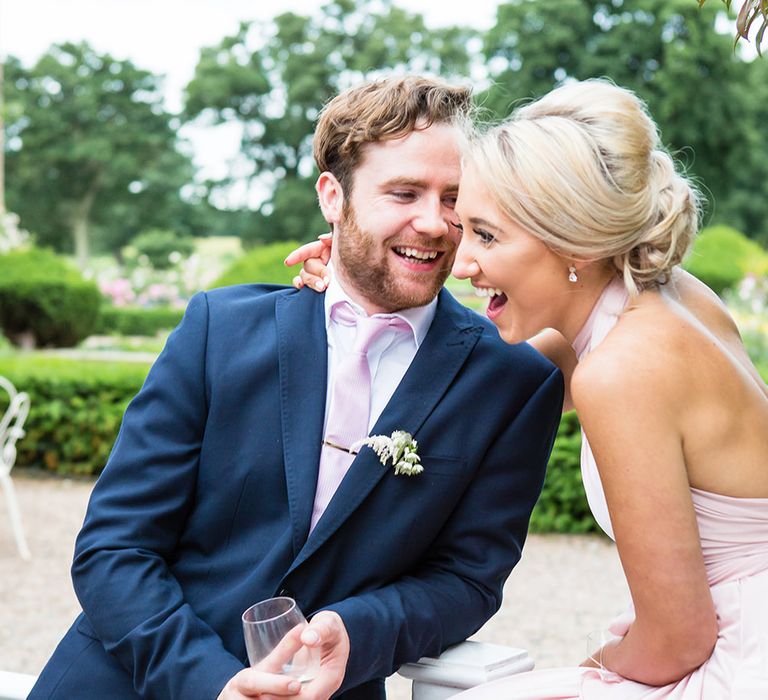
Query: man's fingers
x: 283, y: 652
x: 325, y: 628
x: 324, y: 684
x: 253, y: 682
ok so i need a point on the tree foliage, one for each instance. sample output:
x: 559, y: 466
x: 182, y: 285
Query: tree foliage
x: 92, y: 154
x: 708, y: 102
x: 91, y: 149
x: 272, y: 79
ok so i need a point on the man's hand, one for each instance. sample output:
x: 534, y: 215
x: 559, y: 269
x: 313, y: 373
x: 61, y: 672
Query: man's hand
x: 255, y: 683
x: 325, y: 633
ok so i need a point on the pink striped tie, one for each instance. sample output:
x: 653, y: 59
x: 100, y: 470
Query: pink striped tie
x: 350, y: 405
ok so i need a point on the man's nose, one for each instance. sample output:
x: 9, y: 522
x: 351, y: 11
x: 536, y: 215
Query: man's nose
x: 464, y: 265
x: 432, y: 218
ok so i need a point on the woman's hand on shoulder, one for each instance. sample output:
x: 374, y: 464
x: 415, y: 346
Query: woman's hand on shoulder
x: 315, y: 256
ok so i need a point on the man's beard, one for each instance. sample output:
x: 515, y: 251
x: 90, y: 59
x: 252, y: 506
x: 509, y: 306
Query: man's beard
x: 373, y: 277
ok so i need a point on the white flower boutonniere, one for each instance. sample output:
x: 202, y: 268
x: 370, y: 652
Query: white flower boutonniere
x: 400, y: 447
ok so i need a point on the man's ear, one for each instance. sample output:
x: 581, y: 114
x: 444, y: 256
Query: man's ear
x: 330, y: 196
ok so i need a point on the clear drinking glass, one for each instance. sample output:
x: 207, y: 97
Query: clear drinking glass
x: 595, y: 642
x: 272, y: 629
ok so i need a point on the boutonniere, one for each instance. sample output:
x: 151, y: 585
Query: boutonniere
x: 400, y: 448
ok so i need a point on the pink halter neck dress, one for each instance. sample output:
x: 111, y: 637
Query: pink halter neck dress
x: 734, y: 540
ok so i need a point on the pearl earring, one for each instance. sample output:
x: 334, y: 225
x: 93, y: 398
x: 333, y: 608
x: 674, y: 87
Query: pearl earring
x: 572, y: 276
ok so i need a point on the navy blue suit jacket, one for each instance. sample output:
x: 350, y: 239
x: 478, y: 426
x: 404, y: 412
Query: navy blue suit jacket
x: 204, y: 506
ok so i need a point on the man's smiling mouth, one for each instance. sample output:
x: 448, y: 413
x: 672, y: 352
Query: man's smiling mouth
x: 416, y: 255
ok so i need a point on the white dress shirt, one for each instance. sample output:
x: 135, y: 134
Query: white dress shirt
x: 390, y: 354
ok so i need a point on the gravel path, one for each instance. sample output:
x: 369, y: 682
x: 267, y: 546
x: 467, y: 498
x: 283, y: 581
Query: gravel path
x: 565, y: 586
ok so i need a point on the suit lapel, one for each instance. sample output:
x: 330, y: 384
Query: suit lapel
x: 303, y: 358
x: 447, y: 345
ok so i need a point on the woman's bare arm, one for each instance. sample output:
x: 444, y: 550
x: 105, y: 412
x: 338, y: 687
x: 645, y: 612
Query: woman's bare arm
x: 630, y: 413
x: 557, y: 350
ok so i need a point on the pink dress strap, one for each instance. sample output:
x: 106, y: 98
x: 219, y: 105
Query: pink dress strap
x: 605, y: 314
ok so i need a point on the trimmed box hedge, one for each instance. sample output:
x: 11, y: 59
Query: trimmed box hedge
x: 134, y: 320
x: 75, y: 409
x: 77, y: 406
x: 44, y: 301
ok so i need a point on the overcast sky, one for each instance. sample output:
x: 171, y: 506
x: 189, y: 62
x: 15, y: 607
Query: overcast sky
x: 165, y: 37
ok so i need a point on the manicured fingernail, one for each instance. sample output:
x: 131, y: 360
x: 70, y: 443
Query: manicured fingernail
x: 297, y: 282
x: 319, y: 285
x: 327, y: 280
x: 311, y: 637
x: 294, y: 687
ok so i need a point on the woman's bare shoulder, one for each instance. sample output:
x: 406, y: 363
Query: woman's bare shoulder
x: 643, y: 355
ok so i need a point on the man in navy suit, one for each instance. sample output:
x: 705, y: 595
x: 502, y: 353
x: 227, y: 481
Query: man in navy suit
x: 218, y: 492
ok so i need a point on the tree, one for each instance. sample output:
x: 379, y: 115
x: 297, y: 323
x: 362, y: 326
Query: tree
x: 709, y: 103
x: 273, y: 79
x: 91, y: 150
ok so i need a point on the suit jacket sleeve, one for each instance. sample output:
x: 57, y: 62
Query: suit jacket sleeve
x: 459, y: 587
x: 135, y: 518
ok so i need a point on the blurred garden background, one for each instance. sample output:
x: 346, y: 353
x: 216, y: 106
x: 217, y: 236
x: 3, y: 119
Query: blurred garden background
x: 112, y: 216
x: 108, y: 226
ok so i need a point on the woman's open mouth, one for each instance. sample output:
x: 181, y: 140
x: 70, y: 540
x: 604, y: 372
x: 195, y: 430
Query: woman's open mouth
x: 497, y: 300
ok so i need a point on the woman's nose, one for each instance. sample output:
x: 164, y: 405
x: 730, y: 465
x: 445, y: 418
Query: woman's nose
x: 464, y: 265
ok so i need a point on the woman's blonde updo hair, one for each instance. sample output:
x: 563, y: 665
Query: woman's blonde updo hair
x: 583, y: 169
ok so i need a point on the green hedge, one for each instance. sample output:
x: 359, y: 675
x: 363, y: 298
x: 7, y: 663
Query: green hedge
x: 44, y: 301
x: 722, y: 257
x: 263, y: 264
x: 75, y: 409
x: 159, y: 245
x: 562, y: 506
x: 129, y: 320
x: 77, y: 406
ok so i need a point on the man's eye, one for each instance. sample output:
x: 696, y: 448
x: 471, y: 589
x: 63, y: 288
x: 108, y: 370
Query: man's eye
x: 450, y: 202
x: 403, y: 195
x: 484, y: 236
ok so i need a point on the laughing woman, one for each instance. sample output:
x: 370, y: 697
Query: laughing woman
x: 574, y: 221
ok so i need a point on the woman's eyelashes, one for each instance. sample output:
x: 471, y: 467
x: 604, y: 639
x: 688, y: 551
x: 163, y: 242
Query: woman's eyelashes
x: 485, y: 238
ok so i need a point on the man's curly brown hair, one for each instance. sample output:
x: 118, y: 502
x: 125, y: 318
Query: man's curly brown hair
x: 382, y: 110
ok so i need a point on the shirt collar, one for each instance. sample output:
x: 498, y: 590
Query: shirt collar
x: 418, y: 318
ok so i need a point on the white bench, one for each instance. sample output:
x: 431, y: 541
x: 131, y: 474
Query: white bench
x: 15, y: 686
x: 464, y: 666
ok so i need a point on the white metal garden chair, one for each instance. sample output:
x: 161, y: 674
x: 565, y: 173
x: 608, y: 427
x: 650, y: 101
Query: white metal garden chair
x: 12, y: 430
